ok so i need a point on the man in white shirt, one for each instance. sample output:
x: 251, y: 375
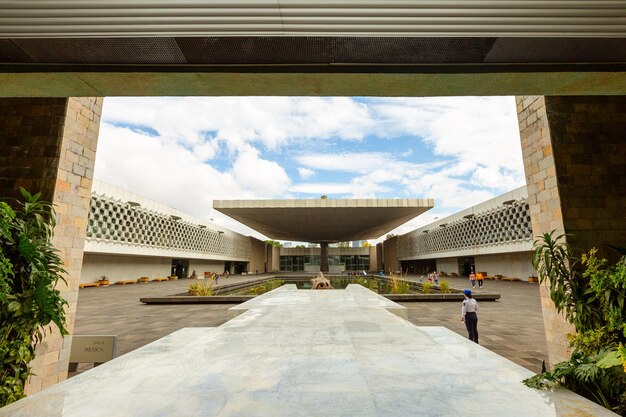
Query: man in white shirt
x: 468, y: 315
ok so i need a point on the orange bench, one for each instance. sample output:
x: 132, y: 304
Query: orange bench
x: 93, y: 284
x: 124, y: 282
x: 159, y: 279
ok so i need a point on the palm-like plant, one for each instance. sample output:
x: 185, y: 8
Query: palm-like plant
x: 30, y: 269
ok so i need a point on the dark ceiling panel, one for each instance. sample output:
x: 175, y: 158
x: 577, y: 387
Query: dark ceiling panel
x: 10, y: 52
x: 304, y: 51
x: 257, y: 50
x: 394, y: 50
x: 103, y: 50
x: 557, y: 50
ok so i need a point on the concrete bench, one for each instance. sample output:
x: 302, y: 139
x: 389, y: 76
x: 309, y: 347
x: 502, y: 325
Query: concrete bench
x: 124, y: 282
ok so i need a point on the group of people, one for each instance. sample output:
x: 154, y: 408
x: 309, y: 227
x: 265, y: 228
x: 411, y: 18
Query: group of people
x: 432, y: 277
x: 476, y: 277
x: 215, y: 276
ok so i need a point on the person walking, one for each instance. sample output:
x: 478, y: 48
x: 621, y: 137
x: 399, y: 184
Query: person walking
x: 480, y: 278
x: 469, y: 316
x: 472, y: 279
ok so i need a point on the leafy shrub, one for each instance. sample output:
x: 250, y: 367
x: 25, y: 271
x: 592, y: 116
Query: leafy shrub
x: 427, y: 287
x: 592, y: 297
x: 266, y: 286
x: 202, y: 287
x: 444, y: 287
x: 399, y: 286
x: 30, y: 304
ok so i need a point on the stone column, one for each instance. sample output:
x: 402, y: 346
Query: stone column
x: 49, y: 145
x: 324, y: 256
x: 574, y: 151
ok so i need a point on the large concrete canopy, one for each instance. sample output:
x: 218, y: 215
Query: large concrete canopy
x: 323, y: 220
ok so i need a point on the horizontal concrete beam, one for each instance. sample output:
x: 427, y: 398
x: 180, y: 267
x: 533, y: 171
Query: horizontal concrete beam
x: 324, y: 82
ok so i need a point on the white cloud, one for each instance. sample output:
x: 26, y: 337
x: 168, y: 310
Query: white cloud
x: 305, y: 173
x: 475, y: 147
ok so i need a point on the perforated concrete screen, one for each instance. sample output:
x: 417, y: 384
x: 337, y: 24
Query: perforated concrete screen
x: 115, y: 221
x: 498, y: 226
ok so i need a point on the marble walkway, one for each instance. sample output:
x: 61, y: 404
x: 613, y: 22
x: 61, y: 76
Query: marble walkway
x: 307, y: 353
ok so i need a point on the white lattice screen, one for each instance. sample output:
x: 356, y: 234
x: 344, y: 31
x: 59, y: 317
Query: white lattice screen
x: 116, y: 221
x: 498, y: 226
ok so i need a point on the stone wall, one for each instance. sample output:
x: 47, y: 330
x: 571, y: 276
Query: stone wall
x: 574, y: 152
x: 49, y: 145
x: 257, y: 256
x: 390, y: 255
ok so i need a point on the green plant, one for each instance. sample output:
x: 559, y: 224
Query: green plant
x: 592, y: 297
x: 444, y: 287
x: 399, y: 286
x: 202, y: 287
x: 427, y: 287
x: 30, y: 304
x: 266, y: 286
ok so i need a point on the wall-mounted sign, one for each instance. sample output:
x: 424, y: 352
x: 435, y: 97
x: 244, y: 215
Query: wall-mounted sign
x: 93, y: 349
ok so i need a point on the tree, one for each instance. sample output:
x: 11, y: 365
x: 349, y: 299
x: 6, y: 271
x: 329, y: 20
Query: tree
x: 30, y: 269
x: 343, y: 244
x: 274, y: 243
x: 366, y: 244
x: 389, y: 236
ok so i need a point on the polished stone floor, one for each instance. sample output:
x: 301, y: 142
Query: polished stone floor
x: 307, y: 353
x: 511, y: 327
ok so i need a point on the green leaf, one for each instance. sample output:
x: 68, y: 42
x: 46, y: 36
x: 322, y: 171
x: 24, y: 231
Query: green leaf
x: 609, y: 360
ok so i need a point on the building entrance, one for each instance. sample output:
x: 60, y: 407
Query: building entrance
x: 180, y: 268
x: 466, y: 266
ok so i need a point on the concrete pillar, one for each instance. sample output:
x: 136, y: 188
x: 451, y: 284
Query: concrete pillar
x: 48, y: 145
x: 324, y: 257
x: 574, y: 152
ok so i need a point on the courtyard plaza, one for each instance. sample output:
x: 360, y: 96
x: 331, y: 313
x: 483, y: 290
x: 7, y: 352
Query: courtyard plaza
x: 511, y: 327
x: 308, y: 353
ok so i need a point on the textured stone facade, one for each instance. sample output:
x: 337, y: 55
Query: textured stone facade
x: 574, y: 153
x: 258, y: 256
x: 49, y: 145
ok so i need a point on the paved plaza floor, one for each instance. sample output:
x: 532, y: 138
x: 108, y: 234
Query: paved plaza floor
x: 511, y: 327
x: 307, y: 353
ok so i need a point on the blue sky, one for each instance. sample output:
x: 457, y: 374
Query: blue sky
x: 185, y: 152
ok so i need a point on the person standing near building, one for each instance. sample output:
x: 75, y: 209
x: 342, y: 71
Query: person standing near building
x: 480, y: 278
x: 472, y: 279
x: 469, y: 316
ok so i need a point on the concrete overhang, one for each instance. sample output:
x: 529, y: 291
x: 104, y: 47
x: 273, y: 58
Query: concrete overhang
x: 312, y: 47
x: 323, y: 220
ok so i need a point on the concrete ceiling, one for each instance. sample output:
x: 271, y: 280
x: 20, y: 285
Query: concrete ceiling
x: 323, y: 220
x: 312, y: 47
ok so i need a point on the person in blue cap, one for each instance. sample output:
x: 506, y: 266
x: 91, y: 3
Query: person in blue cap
x: 468, y: 315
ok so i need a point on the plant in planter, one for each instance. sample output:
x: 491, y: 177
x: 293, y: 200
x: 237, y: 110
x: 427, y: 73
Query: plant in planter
x: 592, y: 297
x: 103, y: 281
x: 30, y: 269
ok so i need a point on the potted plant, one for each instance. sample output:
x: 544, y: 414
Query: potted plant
x: 143, y: 280
x: 103, y: 281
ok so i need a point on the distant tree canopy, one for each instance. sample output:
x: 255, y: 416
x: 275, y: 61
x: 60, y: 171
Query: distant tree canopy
x: 389, y: 236
x: 274, y: 243
x: 366, y: 244
x: 343, y: 244
x: 300, y: 246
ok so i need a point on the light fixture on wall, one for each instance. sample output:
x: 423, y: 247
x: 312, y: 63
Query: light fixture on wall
x: 133, y: 204
x: 508, y: 202
x: 469, y: 216
x: 443, y: 225
x: 220, y: 232
x: 175, y: 218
